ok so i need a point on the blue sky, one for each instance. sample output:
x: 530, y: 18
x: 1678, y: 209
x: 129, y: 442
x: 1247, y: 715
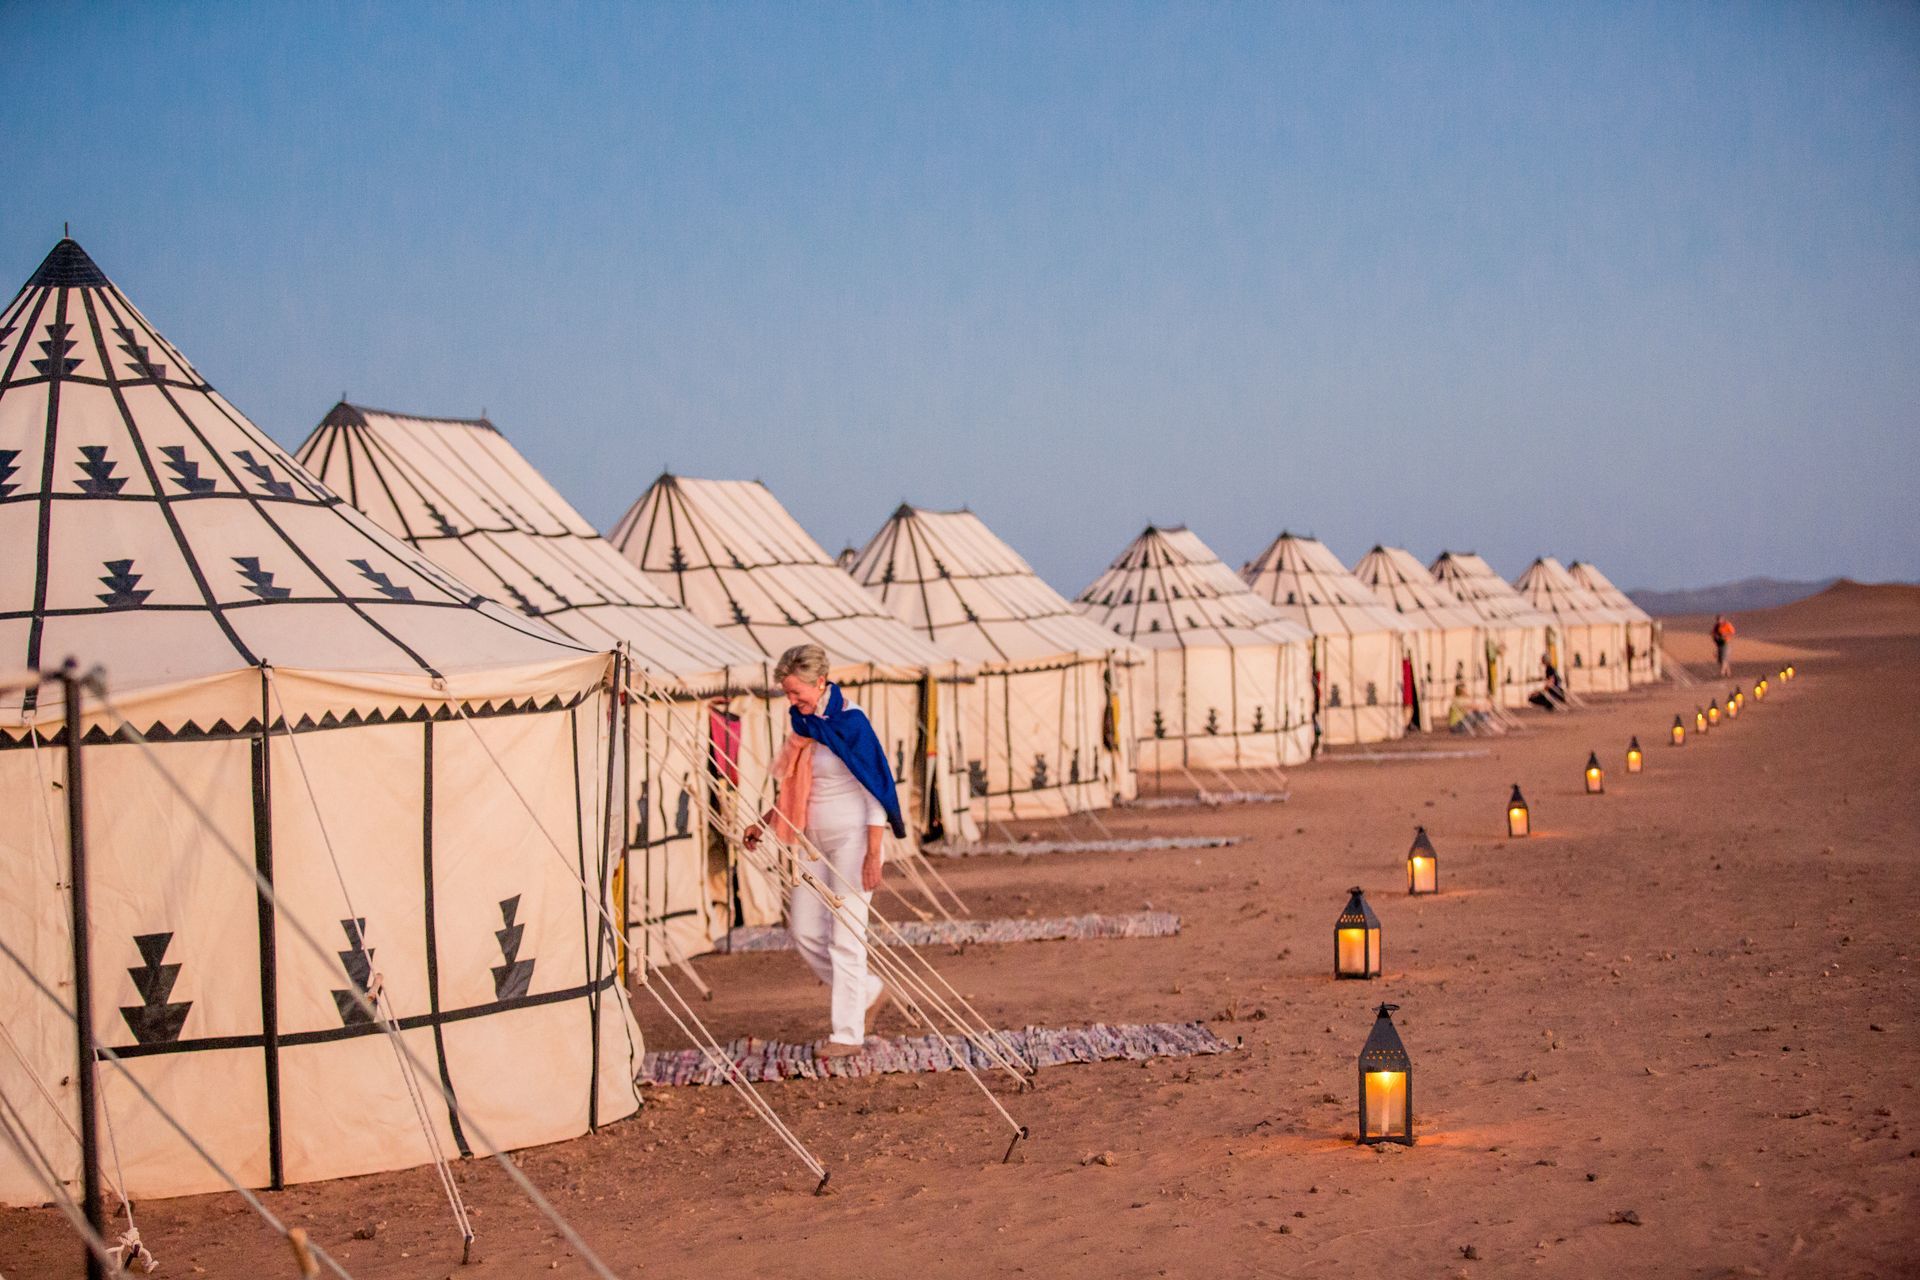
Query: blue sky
x: 1635, y: 283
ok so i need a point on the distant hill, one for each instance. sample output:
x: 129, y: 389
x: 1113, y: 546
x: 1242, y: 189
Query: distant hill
x: 1743, y: 596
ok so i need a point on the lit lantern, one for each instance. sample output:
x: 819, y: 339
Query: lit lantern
x: 1713, y: 712
x: 1356, y: 939
x: 1596, y: 780
x: 1517, y: 816
x: 1734, y: 702
x: 1423, y: 864
x: 1386, y: 1085
x: 1791, y: 673
x: 1759, y: 690
x: 1699, y: 720
x: 1679, y: 735
x: 1783, y: 675
x: 1635, y: 760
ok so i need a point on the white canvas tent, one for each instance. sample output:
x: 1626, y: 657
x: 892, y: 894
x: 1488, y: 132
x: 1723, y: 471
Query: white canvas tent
x: 460, y: 493
x: 1589, y: 640
x: 1516, y: 631
x: 1227, y: 680
x: 1643, y: 633
x: 343, y: 711
x: 728, y: 551
x: 1040, y: 725
x: 1449, y: 645
x: 1361, y: 649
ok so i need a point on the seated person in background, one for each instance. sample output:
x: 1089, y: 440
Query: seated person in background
x: 1466, y: 716
x: 1552, y: 695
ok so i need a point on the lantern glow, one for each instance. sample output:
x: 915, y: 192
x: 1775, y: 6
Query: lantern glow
x: 1386, y: 1084
x: 1679, y: 732
x: 1759, y: 690
x: 1596, y: 778
x: 1791, y: 673
x: 1356, y: 939
x: 1636, y: 759
x: 1713, y: 712
x: 1423, y: 864
x: 1699, y: 721
x: 1519, y: 820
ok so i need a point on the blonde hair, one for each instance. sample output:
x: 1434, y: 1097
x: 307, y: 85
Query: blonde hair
x: 808, y: 661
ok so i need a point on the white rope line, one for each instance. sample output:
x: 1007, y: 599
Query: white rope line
x: 253, y: 1202
x: 382, y: 1004
x: 760, y: 1105
x: 53, y: 1105
x: 313, y: 944
x: 46, y: 805
x: 28, y: 1153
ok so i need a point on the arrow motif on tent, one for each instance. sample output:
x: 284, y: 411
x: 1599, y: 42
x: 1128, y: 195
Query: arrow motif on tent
x: 676, y: 560
x: 100, y: 481
x: 186, y: 474
x: 683, y: 813
x: 381, y: 583
x: 9, y: 465
x: 55, y: 364
x: 264, y: 474
x: 526, y: 606
x: 552, y: 590
x: 260, y: 581
x: 137, y: 355
x: 121, y: 581
x: 739, y: 614
x: 511, y: 979
x: 441, y: 523
x: 154, y: 1020
x: 358, y: 962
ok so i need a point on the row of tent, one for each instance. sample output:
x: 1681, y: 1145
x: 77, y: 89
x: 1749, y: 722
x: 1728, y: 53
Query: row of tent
x: 401, y: 680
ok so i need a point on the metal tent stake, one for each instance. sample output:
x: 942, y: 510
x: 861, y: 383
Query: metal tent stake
x: 70, y: 684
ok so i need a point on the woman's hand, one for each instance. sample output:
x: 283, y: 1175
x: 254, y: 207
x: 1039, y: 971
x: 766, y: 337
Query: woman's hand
x: 875, y: 865
x: 751, y: 837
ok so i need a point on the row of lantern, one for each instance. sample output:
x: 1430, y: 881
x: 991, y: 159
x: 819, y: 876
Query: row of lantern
x: 1386, y: 1072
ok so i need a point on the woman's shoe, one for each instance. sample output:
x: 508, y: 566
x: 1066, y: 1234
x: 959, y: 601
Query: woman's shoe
x: 834, y: 1049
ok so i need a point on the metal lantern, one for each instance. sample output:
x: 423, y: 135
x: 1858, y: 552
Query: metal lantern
x: 1356, y: 939
x: 1636, y: 761
x: 1759, y: 689
x: 1517, y: 815
x: 1699, y: 720
x: 1791, y: 673
x: 1423, y: 864
x: 1386, y: 1084
x: 1596, y: 779
x: 1679, y: 732
x: 1713, y: 712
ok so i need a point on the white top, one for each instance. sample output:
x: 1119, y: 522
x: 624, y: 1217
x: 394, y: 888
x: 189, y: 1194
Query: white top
x: 838, y: 800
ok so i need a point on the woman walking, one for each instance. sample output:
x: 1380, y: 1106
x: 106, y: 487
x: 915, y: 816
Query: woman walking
x: 837, y: 787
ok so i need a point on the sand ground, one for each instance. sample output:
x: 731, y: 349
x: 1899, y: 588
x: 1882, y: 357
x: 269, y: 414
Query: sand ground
x: 1691, y: 1000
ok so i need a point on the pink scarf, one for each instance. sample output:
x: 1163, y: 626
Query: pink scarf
x: 793, y: 771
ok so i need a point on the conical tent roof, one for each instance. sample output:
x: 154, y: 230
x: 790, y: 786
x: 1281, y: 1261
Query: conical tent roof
x: 1602, y: 589
x: 1308, y: 584
x: 1475, y: 584
x: 1168, y: 589
x: 727, y: 550
x: 458, y: 491
x: 155, y: 531
x: 1400, y: 581
x: 1553, y: 590
x: 947, y: 575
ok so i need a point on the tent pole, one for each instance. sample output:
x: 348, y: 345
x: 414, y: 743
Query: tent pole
x: 70, y: 681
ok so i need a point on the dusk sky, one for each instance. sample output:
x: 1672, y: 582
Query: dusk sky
x: 1631, y: 283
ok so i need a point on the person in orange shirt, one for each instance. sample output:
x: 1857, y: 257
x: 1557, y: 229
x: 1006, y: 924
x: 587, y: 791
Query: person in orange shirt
x: 1722, y: 633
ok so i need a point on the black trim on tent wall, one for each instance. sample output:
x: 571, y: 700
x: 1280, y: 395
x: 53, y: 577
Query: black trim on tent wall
x: 433, y: 944
x: 269, y: 957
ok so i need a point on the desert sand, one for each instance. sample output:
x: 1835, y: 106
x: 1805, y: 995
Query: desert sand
x: 1674, y: 1033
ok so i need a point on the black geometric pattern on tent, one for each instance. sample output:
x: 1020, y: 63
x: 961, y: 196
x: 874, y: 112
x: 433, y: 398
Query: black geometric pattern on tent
x: 190, y: 731
x: 357, y: 959
x: 511, y: 978
x: 76, y: 308
x: 155, y: 1020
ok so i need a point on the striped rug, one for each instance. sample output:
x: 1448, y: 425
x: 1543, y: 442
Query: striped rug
x: 918, y: 933
x: 770, y: 1060
x: 1027, y: 848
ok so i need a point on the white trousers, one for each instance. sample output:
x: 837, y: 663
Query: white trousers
x: 834, y: 945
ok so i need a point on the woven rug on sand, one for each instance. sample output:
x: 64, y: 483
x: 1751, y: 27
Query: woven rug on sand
x: 1211, y: 800
x: 767, y: 1060
x: 1027, y: 848
x: 919, y: 933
